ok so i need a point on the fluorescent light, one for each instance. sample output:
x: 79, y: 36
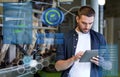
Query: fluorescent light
x: 66, y: 0
x: 101, y: 2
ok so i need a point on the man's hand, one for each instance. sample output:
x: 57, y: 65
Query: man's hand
x: 107, y: 65
x: 65, y: 64
x: 78, y: 55
x: 95, y: 60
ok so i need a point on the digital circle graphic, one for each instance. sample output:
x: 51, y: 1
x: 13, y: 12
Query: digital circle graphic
x: 52, y: 16
x: 26, y: 60
x: 46, y: 63
x: 21, y: 69
x: 39, y: 66
x: 33, y: 63
x: 33, y: 70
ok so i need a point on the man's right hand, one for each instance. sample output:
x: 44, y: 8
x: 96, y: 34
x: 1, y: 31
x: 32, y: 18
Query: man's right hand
x: 78, y: 55
x: 65, y: 64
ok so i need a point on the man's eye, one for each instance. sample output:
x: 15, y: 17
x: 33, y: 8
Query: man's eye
x: 90, y: 23
x: 84, y: 23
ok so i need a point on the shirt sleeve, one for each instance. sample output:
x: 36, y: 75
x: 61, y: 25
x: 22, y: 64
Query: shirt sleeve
x: 60, y: 53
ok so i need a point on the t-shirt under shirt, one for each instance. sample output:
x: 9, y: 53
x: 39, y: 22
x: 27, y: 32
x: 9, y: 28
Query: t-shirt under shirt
x: 81, y: 69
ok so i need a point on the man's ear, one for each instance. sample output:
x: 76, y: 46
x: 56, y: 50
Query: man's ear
x: 77, y: 18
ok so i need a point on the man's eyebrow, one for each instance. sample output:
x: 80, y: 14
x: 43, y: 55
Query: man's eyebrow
x: 87, y: 23
x: 90, y: 22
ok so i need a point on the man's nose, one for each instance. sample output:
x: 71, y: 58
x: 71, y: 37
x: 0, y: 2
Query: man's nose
x: 87, y: 26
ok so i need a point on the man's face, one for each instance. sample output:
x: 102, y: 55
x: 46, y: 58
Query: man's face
x: 84, y: 23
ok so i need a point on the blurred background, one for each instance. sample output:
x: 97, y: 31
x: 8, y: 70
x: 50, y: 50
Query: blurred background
x: 107, y: 22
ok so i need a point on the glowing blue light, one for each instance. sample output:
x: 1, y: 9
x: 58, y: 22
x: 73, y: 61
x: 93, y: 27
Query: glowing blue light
x: 26, y: 60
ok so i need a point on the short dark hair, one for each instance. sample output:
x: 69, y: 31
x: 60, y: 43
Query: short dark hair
x: 86, y: 10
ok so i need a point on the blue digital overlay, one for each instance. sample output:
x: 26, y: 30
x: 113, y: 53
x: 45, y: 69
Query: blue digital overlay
x: 17, y: 23
x: 108, y: 60
x: 50, y: 38
x: 26, y: 60
x: 52, y: 17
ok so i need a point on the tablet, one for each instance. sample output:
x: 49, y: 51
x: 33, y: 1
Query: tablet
x: 88, y: 55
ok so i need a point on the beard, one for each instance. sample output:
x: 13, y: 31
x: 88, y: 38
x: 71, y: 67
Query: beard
x: 85, y: 31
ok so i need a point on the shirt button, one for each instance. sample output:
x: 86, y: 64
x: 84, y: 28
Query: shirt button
x: 74, y: 46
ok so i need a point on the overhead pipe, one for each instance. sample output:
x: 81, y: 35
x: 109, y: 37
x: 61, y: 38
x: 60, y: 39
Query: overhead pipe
x: 95, y: 6
x: 83, y: 2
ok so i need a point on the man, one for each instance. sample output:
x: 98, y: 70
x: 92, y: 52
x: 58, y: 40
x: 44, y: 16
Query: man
x: 76, y: 42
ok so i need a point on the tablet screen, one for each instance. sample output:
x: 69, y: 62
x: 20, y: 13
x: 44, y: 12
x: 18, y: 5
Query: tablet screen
x: 88, y: 55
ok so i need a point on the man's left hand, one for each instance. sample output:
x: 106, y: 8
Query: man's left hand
x: 95, y: 60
